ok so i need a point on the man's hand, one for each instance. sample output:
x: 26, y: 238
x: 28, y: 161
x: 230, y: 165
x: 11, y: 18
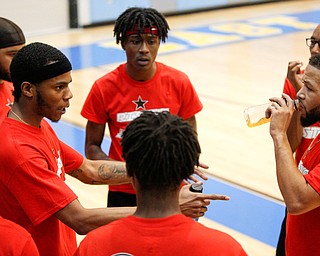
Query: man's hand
x: 281, y: 110
x: 198, y: 170
x: 193, y: 204
x: 294, y: 74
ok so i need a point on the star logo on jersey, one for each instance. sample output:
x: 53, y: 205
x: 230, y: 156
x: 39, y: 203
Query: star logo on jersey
x: 140, y: 103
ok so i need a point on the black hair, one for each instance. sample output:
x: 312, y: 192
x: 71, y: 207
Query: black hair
x: 160, y: 150
x: 142, y: 18
x: 315, y: 61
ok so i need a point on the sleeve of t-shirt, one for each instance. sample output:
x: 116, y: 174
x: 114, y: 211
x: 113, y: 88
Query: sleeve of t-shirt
x: 93, y: 107
x: 44, y: 192
x: 72, y: 159
x: 191, y: 103
x: 289, y: 89
x: 313, y: 178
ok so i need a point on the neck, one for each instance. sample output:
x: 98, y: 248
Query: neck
x: 157, y: 205
x: 143, y: 74
x: 16, y: 113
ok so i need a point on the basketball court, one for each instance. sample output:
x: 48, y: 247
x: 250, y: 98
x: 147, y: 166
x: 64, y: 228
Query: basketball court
x: 235, y: 57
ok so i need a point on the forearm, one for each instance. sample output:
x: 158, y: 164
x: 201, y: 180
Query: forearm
x: 101, y: 172
x: 84, y: 220
x: 95, y: 152
x: 93, y: 142
x: 291, y: 182
x: 294, y: 131
x: 101, y: 216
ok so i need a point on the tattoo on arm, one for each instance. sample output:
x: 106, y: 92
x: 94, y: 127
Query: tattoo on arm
x: 114, y: 171
x: 75, y: 173
x: 107, y: 174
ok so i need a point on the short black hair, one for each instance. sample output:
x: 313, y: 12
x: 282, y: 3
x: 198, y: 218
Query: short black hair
x: 160, y: 150
x: 142, y: 18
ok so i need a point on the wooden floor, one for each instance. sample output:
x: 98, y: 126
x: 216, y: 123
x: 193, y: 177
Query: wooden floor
x: 235, y: 58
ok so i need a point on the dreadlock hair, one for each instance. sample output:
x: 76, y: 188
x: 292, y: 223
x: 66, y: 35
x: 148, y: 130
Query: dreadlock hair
x: 160, y: 150
x: 142, y: 18
x: 315, y: 61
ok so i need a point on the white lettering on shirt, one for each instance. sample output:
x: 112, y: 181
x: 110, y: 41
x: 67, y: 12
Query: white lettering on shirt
x: 310, y: 132
x: 302, y: 169
x: 129, y: 116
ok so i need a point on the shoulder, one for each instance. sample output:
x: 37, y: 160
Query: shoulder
x: 214, y: 235
x: 165, y: 68
x: 110, y: 230
x: 15, y: 239
x: 112, y: 75
x: 13, y: 230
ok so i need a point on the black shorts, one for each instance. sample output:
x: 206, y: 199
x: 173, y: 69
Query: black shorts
x: 281, y: 250
x: 119, y: 199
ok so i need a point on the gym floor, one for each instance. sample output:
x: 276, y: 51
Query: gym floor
x: 235, y: 57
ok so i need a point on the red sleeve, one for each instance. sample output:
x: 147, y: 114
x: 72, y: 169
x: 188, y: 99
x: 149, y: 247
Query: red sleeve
x: 49, y: 193
x: 288, y: 89
x: 93, y: 109
x: 72, y: 159
x: 313, y: 178
x: 191, y: 103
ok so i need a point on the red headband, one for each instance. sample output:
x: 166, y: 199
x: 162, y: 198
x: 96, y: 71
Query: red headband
x: 147, y: 30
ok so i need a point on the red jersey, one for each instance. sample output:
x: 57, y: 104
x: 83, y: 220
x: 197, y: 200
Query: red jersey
x: 33, y: 163
x: 303, y: 231
x: 6, y: 96
x: 309, y: 133
x: 117, y: 99
x: 173, y: 235
x: 15, y: 240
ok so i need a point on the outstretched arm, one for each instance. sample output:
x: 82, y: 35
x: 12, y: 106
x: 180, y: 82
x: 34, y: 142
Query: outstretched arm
x: 83, y: 220
x: 101, y: 172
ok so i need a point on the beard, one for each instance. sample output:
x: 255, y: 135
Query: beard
x: 4, y: 74
x: 42, y: 106
x: 311, y: 117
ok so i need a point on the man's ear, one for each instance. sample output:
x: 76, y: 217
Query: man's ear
x: 27, y: 89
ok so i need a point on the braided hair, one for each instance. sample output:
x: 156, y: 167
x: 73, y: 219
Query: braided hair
x: 160, y: 150
x: 142, y: 18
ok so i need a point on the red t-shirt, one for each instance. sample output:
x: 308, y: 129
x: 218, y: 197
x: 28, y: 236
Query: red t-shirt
x: 6, y: 96
x: 174, y: 235
x: 33, y: 163
x: 15, y: 240
x: 303, y: 231
x: 309, y: 133
x: 117, y: 99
